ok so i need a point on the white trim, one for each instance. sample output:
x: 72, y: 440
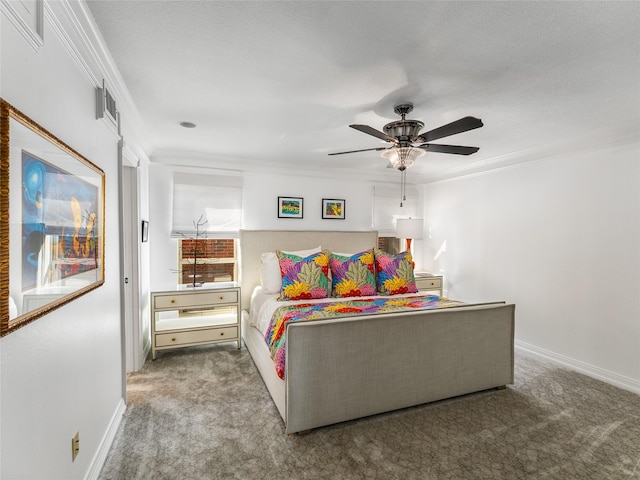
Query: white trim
x: 107, y: 440
x: 146, y: 350
x: 72, y: 22
x: 33, y: 38
x: 131, y: 242
x: 56, y: 20
x: 68, y: 43
x: 605, y: 138
x: 614, y: 379
x: 129, y: 157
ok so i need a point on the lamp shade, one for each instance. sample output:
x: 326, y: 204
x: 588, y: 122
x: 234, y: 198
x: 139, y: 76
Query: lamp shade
x: 409, y: 228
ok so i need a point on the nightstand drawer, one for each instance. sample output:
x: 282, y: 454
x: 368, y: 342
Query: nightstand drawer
x: 196, y: 336
x: 429, y: 283
x: 196, y: 299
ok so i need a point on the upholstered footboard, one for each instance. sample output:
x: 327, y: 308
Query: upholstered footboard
x: 343, y: 369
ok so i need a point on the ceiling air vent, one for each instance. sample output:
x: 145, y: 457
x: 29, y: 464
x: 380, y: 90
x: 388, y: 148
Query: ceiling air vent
x: 106, y: 104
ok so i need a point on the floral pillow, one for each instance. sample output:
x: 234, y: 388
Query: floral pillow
x: 304, y: 277
x: 270, y: 275
x: 395, y: 273
x: 353, y: 276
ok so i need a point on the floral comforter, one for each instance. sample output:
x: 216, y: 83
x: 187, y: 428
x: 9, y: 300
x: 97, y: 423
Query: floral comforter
x: 276, y: 333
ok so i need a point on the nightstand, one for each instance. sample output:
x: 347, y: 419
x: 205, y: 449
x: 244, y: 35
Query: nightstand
x: 427, y: 283
x: 195, y: 316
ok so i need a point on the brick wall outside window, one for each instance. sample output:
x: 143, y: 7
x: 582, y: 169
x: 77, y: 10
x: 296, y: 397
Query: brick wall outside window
x: 209, y: 247
x: 207, y: 250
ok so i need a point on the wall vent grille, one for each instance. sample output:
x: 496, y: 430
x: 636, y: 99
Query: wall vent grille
x: 106, y: 104
x: 110, y: 104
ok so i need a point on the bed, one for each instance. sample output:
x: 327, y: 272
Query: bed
x: 347, y: 368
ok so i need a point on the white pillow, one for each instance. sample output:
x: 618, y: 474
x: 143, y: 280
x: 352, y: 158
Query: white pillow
x: 270, y: 276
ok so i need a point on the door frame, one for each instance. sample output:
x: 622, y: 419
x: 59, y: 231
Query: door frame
x: 130, y: 238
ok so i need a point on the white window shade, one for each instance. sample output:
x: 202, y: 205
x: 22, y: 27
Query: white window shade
x: 387, y: 209
x: 217, y: 199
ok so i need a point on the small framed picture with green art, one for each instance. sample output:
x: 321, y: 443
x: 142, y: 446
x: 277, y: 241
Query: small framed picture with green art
x: 290, y: 207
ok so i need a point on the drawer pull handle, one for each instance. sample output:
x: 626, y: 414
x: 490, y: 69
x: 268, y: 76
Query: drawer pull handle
x: 221, y: 297
x: 222, y: 334
x: 173, y: 300
x: 173, y: 339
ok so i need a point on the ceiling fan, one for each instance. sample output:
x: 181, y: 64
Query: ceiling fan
x: 404, y: 134
x: 408, y: 143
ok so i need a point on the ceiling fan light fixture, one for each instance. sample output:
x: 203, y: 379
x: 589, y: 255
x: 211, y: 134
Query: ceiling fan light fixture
x: 404, y: 133
x: 402, y: 157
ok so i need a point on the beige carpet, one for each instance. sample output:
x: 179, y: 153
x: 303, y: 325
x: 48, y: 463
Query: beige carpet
x: 204, y: 413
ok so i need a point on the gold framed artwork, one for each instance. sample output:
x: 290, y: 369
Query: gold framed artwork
x: 51, y: 221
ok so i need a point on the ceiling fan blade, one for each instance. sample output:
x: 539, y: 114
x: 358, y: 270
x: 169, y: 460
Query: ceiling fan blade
x: 363, y: 150
x: 459, y: 126
x: 456, y: 149
x: 376, y: 133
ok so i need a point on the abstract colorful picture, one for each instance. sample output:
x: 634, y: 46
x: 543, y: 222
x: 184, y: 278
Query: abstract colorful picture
x: 59, y: 214
x: 52, y: 218
x: 290, y: 207
x: 333, y: 208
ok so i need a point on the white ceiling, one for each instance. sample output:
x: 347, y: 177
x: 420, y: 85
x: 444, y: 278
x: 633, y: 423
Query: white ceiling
x: 276, y: 84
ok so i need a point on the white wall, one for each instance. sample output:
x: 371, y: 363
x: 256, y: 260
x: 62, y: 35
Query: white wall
x: 260, y: 200
x: 162, y: 248
x: 560, y: 238
x: 63, y: 372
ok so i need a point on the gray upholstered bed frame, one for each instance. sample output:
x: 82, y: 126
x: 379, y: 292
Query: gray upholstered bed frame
x: 343, y: 369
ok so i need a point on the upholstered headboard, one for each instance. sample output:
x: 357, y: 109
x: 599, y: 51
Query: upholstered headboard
x: 253, y: 243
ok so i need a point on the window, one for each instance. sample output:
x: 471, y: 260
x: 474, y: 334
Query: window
x: 387, y: 210
x: 206, y: 260
x: 389, y: 244
x: 206, y: 216
x: 216, y: 199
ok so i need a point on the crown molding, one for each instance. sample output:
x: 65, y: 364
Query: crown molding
x: 597, y: 140
x: 208, y: 160
x: 32, y: 33
x: 73, y: 24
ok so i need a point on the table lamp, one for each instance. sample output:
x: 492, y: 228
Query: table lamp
x: 409, y: 228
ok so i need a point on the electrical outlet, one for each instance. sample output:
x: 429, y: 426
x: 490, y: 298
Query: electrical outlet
x: 75, y: 446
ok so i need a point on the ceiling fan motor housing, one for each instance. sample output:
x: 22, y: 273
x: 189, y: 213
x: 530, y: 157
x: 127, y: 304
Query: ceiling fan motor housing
x: 404, y: 130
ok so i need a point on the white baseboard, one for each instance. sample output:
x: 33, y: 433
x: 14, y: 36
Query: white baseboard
x: 107, y: 440
x: 620, y: 381
x: 146, y: 351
